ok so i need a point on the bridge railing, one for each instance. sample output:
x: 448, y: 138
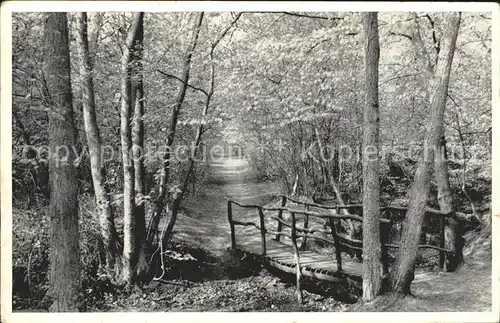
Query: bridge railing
x: 340, y: 241
x: 358, y: 208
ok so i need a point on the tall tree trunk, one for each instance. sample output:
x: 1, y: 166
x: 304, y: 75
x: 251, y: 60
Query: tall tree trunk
x: 137, y: 100
x: 165, y: 171
x: 103, y: 202
x: 402, y: 274
x: 129, y: 220
x: 178, y: 198
x: 63, y: 210
x: 453, y: 238
x: 372, y: 272
x: 98, y: 22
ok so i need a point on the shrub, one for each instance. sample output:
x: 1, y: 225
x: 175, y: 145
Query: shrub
x: 30, y: 253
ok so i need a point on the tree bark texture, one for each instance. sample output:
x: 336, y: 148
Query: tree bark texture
x: 453, y: 238
x: 63, y: 210
x: 403, y: 270
x: 137, y: 99
x: 165, y: 171
x: 103, y: 203
x: 372, y: 272
x: 129, y: 220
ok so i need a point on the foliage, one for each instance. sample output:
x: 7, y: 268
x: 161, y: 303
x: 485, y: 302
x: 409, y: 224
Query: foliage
x: 285, y: 75
x: 287, y: 89
x: 30, y: 253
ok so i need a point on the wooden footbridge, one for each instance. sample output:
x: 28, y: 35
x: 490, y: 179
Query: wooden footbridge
x: 279, y: 235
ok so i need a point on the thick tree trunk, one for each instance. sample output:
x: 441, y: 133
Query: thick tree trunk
x: 129, y: 220
x: 165, y: 171
x: 64, y: 247
x: 137, y: 100
x: 372, y: 272
x: 103, y: 202
x: 402, y: 273
x: 453, y: 238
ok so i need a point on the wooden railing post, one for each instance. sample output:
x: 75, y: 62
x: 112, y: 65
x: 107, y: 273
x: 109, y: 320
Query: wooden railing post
x: 262, y: 231
x: 297, y: 259
x: 338, y: 255
x: 442, y: 224
x: 306, y: 225
x: 384, y: 240
x: 231, y: 224
x: 337, y: 211
x: 280, y: 216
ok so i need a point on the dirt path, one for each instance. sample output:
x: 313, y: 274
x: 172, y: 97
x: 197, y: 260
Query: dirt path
x: 204, y: 220
x: 204, y: 223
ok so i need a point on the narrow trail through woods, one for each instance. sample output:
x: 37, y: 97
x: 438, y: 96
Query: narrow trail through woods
x: 204, y: 223
x: 204, y: 219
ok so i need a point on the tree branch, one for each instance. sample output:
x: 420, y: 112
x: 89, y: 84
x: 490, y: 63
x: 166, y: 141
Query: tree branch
x: 224, y: 32
x: 392, y: 33
x: 453, y: 100
x: 187, y: 173
x: 477, y: 132
x: 180, y: 80
x: 316, y: 45
x: 458, y: 122
x: 420, y: 48
x: 399, y: 77
x: 295, y: 14
x: 437, y: 44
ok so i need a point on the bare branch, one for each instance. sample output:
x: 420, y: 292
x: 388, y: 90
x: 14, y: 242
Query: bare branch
x: 399, y: 77
x: 180, y: 80
x: 224, y: 32
x: 392, y: 33
x: 476, y: 41
x: 453, y: 100
x: 311, y: 16
x: 317, y: 44
x: 477, y: 132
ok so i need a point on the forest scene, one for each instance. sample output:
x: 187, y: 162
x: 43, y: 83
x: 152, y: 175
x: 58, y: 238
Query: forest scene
x: 251, y: 161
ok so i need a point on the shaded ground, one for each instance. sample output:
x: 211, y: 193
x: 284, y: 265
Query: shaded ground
x: 467, y: 290
x: 228, y: 285
x: 205, y: 224
x: 218, y: 282
x: 263, y: 292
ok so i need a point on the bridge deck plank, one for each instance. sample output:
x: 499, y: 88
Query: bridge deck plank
x: 279, y: 251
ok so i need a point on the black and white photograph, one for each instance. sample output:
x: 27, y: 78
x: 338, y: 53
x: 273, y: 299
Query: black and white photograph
x: 283, y: 159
